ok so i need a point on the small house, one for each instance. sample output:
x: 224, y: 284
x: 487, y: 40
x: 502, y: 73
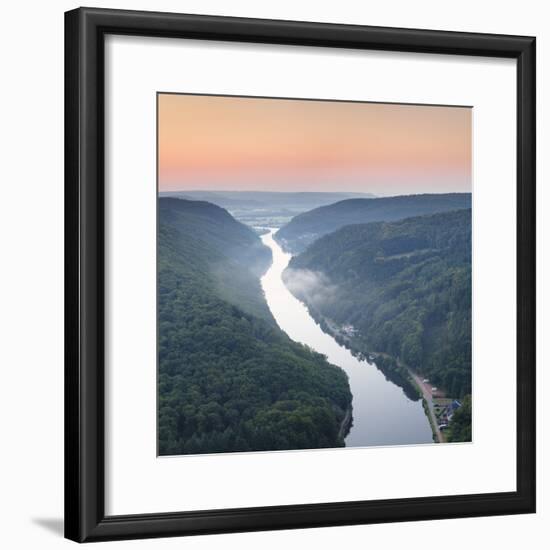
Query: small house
x: 453, y: 406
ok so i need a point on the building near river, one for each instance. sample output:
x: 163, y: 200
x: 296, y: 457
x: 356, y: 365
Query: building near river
x: 451, y: 408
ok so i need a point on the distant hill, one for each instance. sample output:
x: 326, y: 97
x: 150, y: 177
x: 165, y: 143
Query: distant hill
x: 397, y: 288
x: 265, y: 208
x: 215, y: 226
x: 229, y: 378
x: 298, y: 199
x: 305, y: 228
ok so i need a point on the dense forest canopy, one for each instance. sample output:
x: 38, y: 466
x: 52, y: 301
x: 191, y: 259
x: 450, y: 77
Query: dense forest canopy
x: 305, y: 228
x: 460, y: 426
x: 404, y: 287
x: 229, y: 378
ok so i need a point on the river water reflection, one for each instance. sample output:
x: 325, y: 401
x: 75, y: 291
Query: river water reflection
x: 382, y: 413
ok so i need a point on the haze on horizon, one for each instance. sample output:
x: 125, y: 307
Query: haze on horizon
x: 220, y: 143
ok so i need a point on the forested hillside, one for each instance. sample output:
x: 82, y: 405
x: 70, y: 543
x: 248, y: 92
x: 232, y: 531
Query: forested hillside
x: 229, y: 378
x: 305, y: 228
x: 402, y: 288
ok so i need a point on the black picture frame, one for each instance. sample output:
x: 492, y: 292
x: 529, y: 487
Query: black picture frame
x: 85, y: 29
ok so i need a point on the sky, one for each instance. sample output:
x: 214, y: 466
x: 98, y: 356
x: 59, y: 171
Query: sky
x: 217, y: 143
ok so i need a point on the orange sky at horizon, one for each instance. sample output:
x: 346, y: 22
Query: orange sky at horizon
x: 238, y: 143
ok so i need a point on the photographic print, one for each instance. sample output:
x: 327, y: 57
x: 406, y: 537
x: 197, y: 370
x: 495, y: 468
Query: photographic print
x: 313, y: 274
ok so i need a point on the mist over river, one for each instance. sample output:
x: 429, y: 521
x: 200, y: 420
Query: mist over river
x: 382, y: 413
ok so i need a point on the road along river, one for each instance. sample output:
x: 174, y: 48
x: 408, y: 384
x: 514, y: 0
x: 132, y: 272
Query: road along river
x: 382, y: 413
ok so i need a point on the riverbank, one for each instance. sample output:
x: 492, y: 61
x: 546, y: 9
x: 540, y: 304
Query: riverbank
x: 425, y: 393
x: 403, y: 376
x: 427, y: 401
x: 392, y: 369
x: 345, y: 425
x: 412, y: 380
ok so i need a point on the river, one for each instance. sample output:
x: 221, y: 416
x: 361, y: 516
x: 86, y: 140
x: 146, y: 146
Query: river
x: 382, y: 413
